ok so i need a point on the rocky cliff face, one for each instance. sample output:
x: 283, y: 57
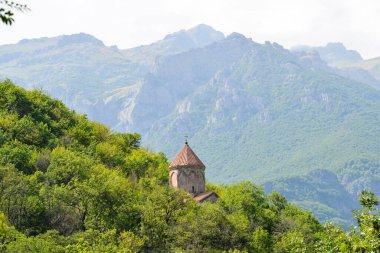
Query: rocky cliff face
x: 172, y: 79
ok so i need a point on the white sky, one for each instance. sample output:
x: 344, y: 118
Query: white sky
x: 128, y: 23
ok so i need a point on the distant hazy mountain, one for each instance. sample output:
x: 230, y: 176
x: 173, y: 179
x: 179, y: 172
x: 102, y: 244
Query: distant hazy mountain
x: 370, y: 65
x: 347, y: 63
x: 335, y: 54
x: 181, y: 41
x: 252, y: 111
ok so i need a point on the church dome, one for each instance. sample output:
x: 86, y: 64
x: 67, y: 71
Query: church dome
x: 186, y: 158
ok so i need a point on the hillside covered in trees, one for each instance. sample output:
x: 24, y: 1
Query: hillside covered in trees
x: 71, y: 185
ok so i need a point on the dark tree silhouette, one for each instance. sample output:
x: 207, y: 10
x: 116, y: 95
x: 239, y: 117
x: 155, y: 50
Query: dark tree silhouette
x: 7, y: 9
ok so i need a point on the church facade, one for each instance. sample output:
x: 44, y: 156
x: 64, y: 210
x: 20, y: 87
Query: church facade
x: 187, y: 172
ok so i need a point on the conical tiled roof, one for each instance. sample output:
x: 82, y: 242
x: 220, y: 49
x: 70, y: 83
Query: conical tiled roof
x: 186, y: 158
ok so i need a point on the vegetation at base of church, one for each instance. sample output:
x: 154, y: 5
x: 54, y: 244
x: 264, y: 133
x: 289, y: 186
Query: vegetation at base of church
x: 71, y: 185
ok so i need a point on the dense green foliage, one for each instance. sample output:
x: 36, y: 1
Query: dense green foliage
x: 70, y: 185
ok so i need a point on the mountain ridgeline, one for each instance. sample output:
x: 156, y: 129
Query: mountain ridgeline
x: 305, y: 120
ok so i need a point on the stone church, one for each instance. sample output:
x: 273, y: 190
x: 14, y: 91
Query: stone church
x: 187, y: 172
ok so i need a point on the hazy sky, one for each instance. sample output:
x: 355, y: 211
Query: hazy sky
x: 128, y: 23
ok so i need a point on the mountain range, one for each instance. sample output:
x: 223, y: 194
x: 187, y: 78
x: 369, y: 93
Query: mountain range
x: 304, y: 121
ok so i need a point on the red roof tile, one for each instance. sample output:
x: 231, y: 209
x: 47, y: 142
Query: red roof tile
x: 186, y: 158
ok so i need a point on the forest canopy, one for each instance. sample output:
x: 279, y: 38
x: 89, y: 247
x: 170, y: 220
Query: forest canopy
x: 68, y: 184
